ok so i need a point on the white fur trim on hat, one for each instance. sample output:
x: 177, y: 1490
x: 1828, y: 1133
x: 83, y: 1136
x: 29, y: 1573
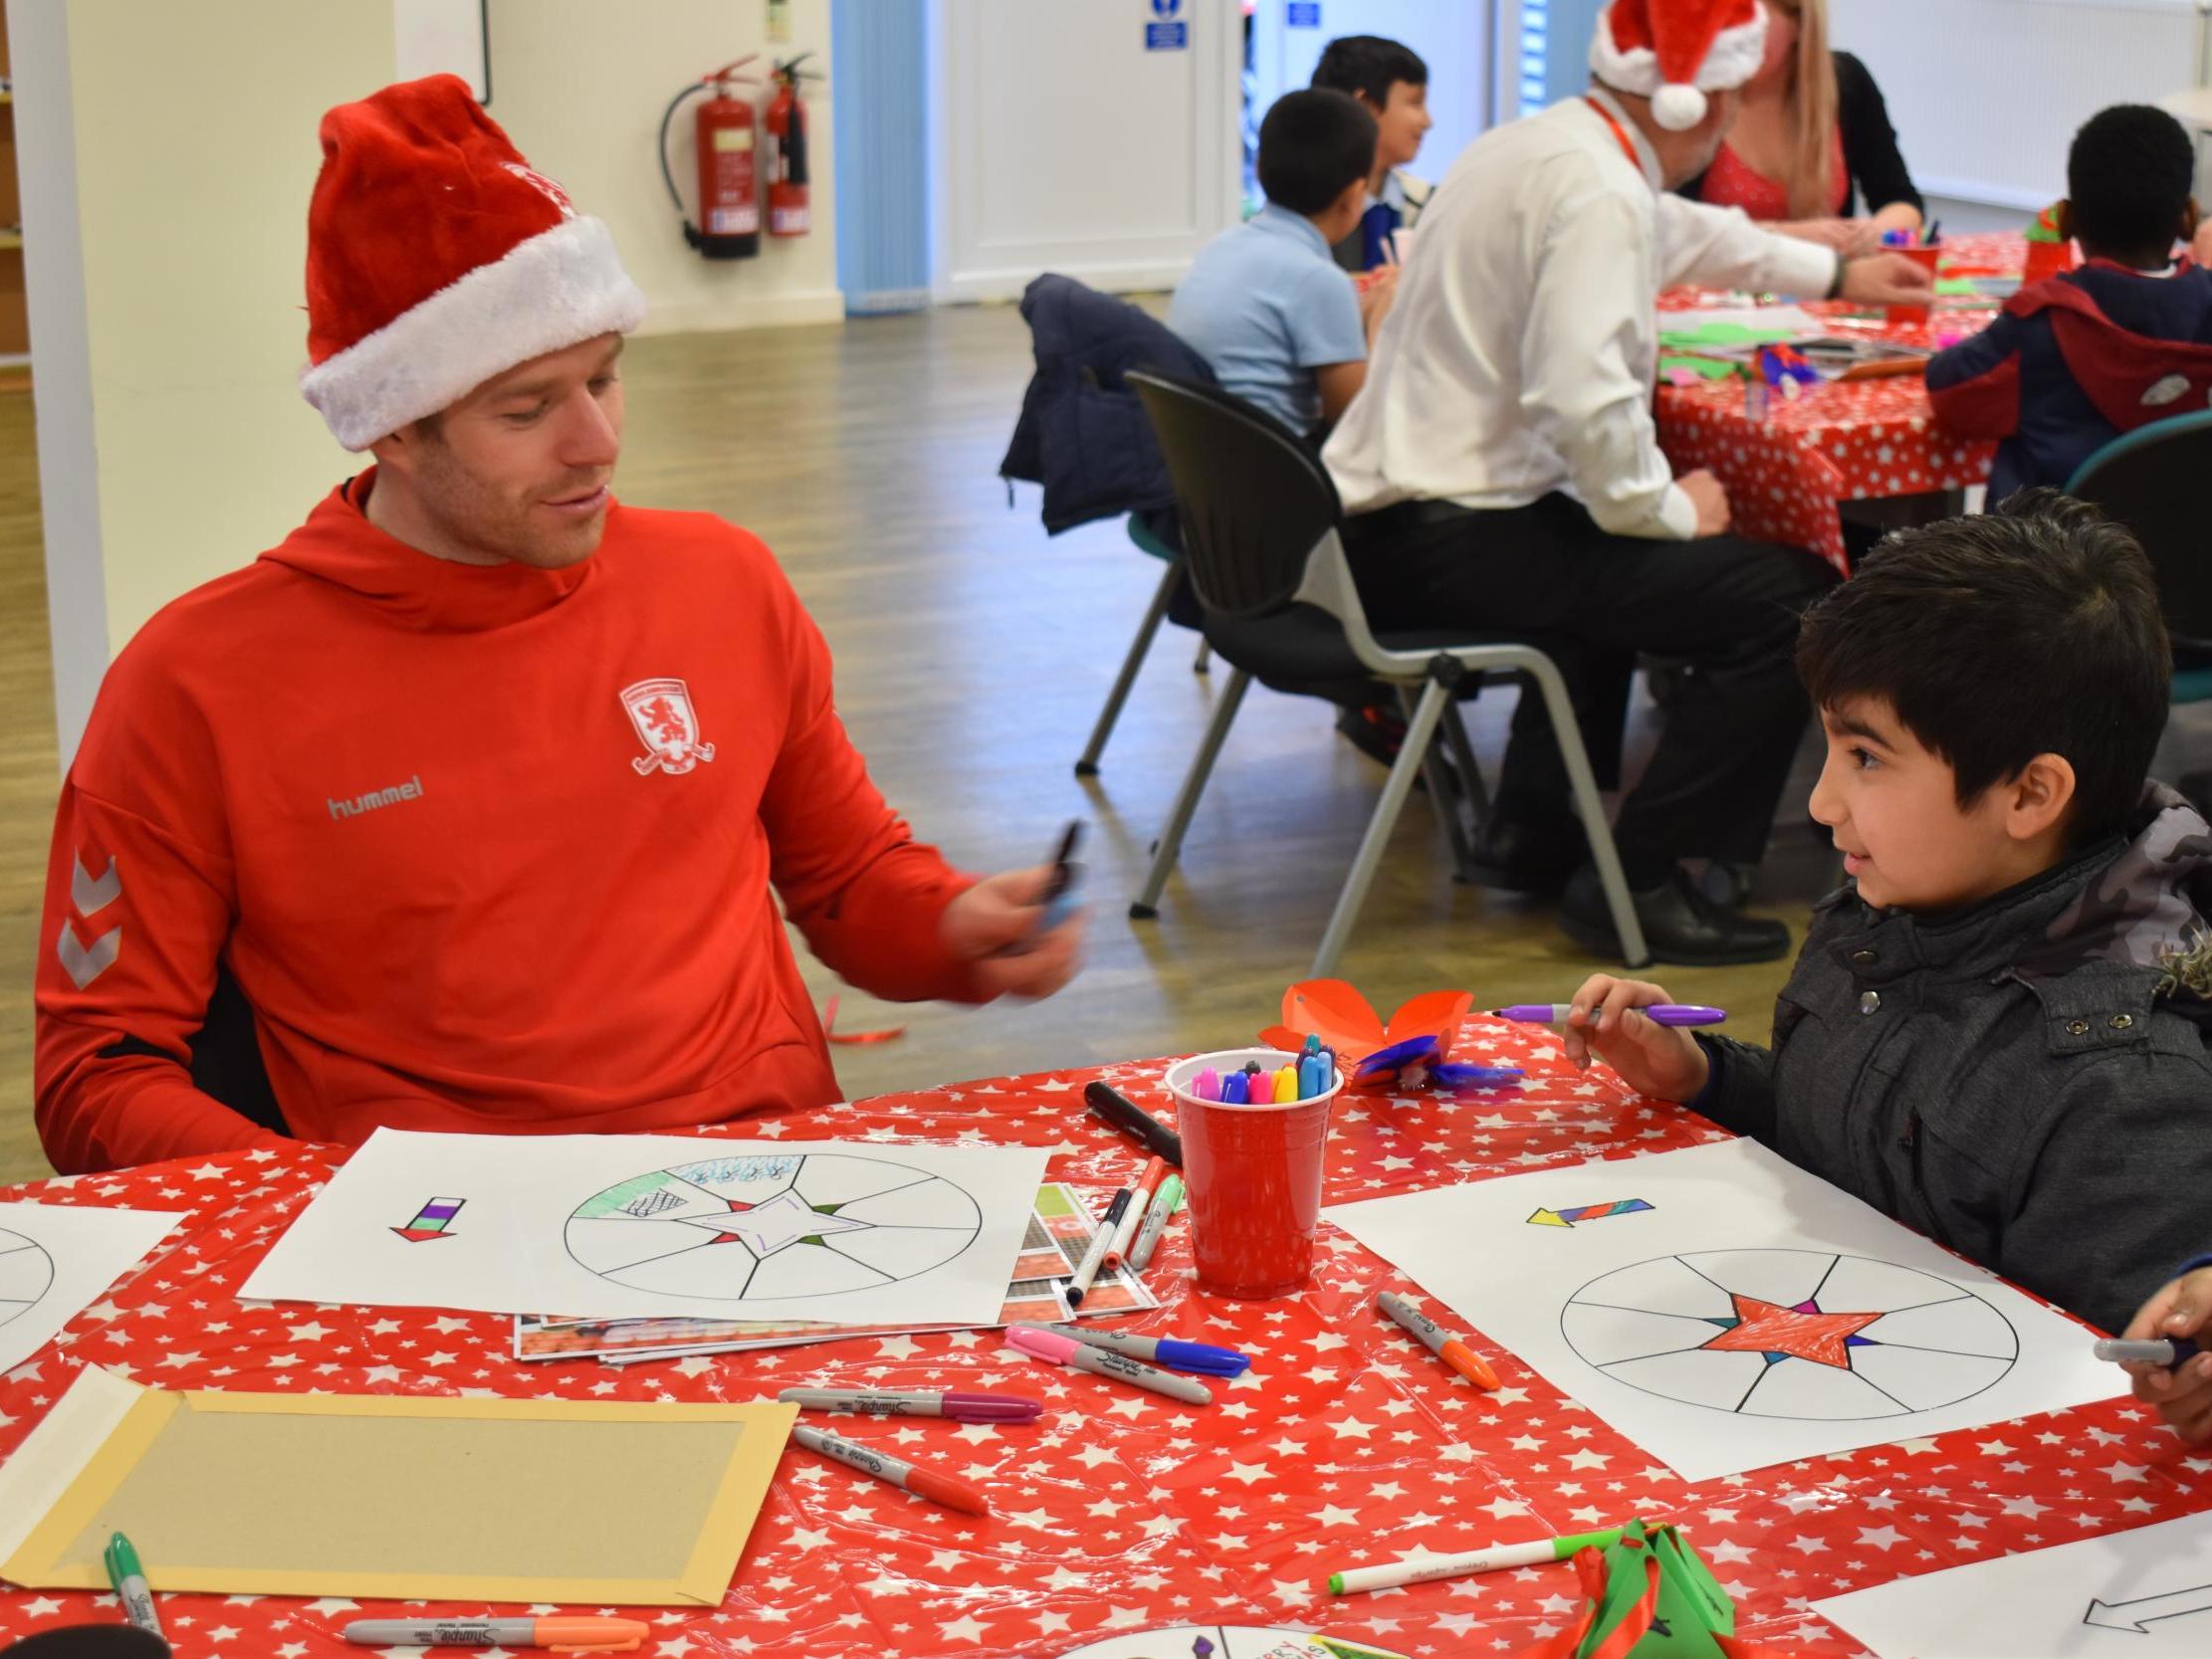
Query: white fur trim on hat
x: 556, y: 290
x: 1732, y: 59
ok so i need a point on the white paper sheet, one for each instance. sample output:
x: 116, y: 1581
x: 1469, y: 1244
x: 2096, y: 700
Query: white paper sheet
x: 1662, y: 1318
x: 2142, y: 1595
x: 623, y: 1225
x: 56, y: 1258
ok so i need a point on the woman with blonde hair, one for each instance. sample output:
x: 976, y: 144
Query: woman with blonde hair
x: 1811, y: 149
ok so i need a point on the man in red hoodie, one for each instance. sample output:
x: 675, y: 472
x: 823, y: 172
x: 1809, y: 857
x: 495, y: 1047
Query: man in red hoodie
x: 471, y: 794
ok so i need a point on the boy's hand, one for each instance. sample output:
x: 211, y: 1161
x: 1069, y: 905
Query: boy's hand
x: 1662, y: 1060
x: 1376, y: 294
x: 2182, y: 1393
x: 1887, y: 279
x: 2200, y: 247
x: 1711, y: 498
x: 992, y: 928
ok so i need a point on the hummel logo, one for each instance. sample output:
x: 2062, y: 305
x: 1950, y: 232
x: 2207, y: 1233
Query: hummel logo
x: 411, y: 790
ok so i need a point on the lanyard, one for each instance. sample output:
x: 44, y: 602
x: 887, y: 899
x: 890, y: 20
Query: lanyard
x: 1621, y: 137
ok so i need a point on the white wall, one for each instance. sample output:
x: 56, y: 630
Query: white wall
x: 1986, y: 95
x: 1060, y: 144
x: 1453, y: 37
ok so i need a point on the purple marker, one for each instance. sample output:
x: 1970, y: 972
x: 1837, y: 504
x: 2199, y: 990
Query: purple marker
x: 1659, y: 1013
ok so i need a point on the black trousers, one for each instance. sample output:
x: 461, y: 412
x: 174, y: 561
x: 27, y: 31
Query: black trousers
x: 1725, y: 607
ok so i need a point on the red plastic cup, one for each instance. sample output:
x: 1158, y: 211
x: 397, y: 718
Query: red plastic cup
x: 1253, y: 1175
x: 1926, y: 257
x: 2047, y: 259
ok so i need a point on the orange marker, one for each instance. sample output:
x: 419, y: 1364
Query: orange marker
x: 1438, y: 1341
x: 562, y: 1635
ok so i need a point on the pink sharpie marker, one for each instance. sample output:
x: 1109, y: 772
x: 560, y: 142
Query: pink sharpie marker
x: 1659, y: 1013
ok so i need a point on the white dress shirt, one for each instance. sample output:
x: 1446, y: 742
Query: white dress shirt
x: 1520, y: 353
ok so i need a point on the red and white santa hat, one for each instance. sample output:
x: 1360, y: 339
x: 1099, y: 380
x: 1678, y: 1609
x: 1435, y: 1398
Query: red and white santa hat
x: 438, y: 258
x: 1673, y: 51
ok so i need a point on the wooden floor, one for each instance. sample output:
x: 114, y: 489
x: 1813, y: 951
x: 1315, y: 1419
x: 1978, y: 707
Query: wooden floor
x: 972, y: 654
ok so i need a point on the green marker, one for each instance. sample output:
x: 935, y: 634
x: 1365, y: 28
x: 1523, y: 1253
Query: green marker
x: 129, y: 1581
x: 1421, y: 1568
x: 1165, y: 1203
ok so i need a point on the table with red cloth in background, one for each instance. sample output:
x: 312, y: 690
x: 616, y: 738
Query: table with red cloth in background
x: 1847, y: 440
x: 1346, y: 1442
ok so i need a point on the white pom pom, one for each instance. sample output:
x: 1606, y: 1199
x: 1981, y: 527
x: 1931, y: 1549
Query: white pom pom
x: 1677, y: 108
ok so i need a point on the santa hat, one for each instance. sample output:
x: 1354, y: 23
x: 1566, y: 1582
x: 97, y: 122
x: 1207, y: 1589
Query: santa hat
x: 1673, y: 51
x: 437, y: 258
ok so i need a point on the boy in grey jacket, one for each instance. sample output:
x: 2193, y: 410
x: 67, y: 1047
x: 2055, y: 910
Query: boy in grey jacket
x: 1996, y: 1029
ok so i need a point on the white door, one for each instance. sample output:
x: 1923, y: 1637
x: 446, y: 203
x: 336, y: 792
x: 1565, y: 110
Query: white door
x: 1081, y: 137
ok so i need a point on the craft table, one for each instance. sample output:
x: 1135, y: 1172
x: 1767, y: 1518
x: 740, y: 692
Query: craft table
x: 1851, y: 440
x: 1346, y: 1443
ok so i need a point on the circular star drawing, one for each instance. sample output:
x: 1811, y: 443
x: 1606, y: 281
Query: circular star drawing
x: 26, y: 1272
x: 766, y: 1227
x: 1795, y: 1333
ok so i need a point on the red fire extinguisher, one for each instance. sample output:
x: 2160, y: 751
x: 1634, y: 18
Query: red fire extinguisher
x: 786, y: 155
x: 729, y: 173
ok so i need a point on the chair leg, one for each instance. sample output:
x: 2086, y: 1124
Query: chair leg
x: 1205, y: 659
x: 1421, y: 727
x: 1463, y: 756
x: 1633, y: 951
x: 1088, y: 766
x: 1442, y: 799
x: 1147, y: 902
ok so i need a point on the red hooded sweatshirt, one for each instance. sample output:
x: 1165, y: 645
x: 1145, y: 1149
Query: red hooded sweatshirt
x: 484, y: 848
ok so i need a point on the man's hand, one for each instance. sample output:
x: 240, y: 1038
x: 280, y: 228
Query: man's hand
x: 1662, y: 1060
x: 1887, y: 279
x: 1843, y: 234
x: 1711, y: 498
x: 992, y: 928
x: 2182, y: 1393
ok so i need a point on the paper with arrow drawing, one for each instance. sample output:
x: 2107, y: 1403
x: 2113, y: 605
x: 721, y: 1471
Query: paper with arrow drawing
x: 2140, y: 1594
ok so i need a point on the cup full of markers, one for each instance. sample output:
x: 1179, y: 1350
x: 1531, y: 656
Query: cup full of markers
x: 1252, y: 1164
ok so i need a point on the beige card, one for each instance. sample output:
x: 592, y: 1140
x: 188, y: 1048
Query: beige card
x: 405, y: 1498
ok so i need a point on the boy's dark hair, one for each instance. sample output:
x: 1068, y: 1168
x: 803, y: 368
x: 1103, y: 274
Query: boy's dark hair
x: 2127, y: 178
x: 1311, y: 147
x: 2032, y: 630
x: 1368, y: 64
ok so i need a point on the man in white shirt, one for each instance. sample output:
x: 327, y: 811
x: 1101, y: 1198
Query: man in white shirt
x: 1505, y: 476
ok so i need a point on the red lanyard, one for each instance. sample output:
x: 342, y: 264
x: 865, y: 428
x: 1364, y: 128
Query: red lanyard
x: 1621, y: 137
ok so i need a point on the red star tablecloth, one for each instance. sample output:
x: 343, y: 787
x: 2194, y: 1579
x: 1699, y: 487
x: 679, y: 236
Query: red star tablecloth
x: 1850, y: 440
x: 1346, y: 1442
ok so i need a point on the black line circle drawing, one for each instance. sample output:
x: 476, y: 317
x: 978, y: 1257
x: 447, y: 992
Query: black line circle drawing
x: 767, y: 1227
x: 1798, y: 1334
x: 26, y: 1274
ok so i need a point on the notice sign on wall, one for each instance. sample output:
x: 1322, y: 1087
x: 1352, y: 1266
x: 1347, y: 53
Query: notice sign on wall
x: 1303, y: 14
x: 1170, y: 33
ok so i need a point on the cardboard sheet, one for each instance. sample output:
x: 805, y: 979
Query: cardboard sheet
x: 648, y: 1225
x: 393, y: 1497
x: 1727, y: 1311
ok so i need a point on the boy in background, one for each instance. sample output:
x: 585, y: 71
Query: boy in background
x: 1996, y: 1030
x: 1392, y: 84
x: 1283, y: 326
x: 2072, y: 362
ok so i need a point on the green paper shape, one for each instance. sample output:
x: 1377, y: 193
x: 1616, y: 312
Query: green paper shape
x: 1957, y: 284
x: 1723, y: 334
x: 1692, y: 1607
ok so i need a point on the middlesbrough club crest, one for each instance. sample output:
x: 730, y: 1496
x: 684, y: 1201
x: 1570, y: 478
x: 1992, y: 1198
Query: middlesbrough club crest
x: 667, y: 725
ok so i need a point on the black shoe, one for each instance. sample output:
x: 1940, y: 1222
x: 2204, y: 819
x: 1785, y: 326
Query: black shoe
x: 1681, y: 924
x: 1517, y: 857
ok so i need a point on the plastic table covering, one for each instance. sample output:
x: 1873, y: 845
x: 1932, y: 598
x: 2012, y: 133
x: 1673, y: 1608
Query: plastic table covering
x: 1847, y: 440
x: 1346, y: 1443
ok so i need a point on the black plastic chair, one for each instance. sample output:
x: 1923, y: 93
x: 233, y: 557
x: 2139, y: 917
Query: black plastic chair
x: 2149, y: 479
x: 1260, y: 521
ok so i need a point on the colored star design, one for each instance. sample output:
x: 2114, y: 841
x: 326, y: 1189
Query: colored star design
x: 772, y: 1224
x: 1800, y: 1332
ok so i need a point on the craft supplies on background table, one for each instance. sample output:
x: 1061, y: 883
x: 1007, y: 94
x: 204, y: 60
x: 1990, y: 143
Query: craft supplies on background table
x: 1060, y: 1231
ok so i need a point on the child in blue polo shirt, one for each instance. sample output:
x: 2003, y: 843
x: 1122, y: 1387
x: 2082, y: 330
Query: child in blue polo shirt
x: 1266, y: 303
